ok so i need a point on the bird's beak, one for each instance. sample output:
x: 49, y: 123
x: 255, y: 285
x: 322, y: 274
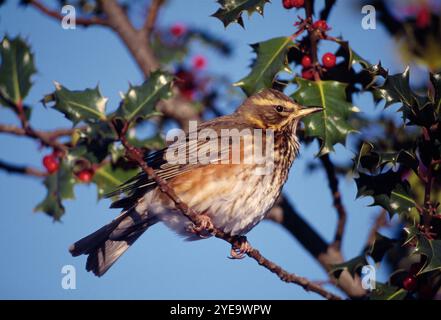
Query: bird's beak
x: 306, y: 111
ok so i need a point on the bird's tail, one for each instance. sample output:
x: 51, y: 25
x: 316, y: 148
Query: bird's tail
x: 108, y: 243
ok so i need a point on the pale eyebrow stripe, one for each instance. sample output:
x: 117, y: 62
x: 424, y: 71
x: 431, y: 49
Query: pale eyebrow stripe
x: 266, y: 102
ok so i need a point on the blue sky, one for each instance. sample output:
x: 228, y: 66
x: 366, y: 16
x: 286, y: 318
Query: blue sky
x: 160, y: 265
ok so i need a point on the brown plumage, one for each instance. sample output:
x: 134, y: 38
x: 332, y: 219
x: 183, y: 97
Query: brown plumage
x: 235, y: 195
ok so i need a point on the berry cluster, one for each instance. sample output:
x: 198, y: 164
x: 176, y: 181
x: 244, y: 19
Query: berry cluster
x: 289, y: 4
x: 52, y: 164
x: 328, y: 59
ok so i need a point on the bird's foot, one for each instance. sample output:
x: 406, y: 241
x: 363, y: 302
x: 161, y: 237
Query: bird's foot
x: 204, y: 228
x: 240, y: 248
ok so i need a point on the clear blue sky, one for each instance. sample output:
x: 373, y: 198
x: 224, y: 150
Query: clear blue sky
x: 160, y: 265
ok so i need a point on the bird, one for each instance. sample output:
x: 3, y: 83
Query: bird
x: 232, y: 194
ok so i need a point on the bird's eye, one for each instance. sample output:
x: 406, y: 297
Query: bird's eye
x: 279, y: 108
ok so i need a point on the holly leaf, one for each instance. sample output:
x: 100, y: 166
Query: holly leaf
x: 396, y: 89
x: 432, y: 250
x: 351, y: 56
x: 271, y: 59
x: 16, y: 70
x: 86, y: 105
x: 380, y: 247
x: 93, y: 142
x: 388, y: 191
x: 231, y: 10
x: 140, y: 101
x: 372, y: 160
x: 59, y: 187
x: 353, y: 266
x: 332, y: 125
x: 109, y: 178
x: 387, y: 292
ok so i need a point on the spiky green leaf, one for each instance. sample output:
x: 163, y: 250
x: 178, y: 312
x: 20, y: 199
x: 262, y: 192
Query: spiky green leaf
x: 59, y: 187
x: 86, y: 105
x: 332, y: 125
x: 271, y: 59
x: 231, y: 10
x: 380, y: 247
x: 353, y: 266
x: 432, y: 250
x: 388, y: 191
x: 16, y: 70
x: 140, y: 101
x: 387, y: 292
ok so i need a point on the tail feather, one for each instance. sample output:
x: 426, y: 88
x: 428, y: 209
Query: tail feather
x: 108, y: 243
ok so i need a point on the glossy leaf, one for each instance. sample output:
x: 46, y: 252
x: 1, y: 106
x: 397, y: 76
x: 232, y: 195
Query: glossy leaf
x: 231, y: 10
x: 108, y: 178
x: 59, y: 187
x: 140, y: 101
x: 380, y: 247
x: 388, y: 191
x: 16, y: 70
x: 372, y: 160
x: 271, y: 59
x: 432, y: 250
x: 331, y: 125
x: 86, y: 105
x: 353, y: 266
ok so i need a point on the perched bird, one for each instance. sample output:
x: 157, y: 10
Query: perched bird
x: 232, y: 194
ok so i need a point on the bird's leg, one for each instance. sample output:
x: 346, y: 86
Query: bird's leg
x: 205, y: 226
x: 240, y: 248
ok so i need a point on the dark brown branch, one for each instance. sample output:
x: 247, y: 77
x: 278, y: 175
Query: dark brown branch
x: 198, y: 220
x: 13, y: 168
x: 52, y: 134
x: 152, y: 15
x: 337, y: 202
x: 85, y: 22
x: 287, y: 216
x: 28, y: 130
x: 380, y: 221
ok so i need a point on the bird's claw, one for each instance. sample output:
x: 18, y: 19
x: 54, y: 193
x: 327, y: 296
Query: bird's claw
x: 240, y: 248
x: 204, y: 228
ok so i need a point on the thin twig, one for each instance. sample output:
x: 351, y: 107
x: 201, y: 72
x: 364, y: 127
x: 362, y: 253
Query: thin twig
x: 28, y: 130
x: 52, y: 134
x: 198, y: 220
x: 85, y: 22
x: 152, y: 15
x: 336, y: 196
x: 13, y: 168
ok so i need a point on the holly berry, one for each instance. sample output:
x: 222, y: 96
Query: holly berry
x: 410, y: 283
x: 329, y: 60
x: 51, y: 163
x: 307, y: 74
x: 178, y: 30
x: 199, y: 62
x: 423, y: 18
x: 321, y: 25
x: 306, y: 62
x: 287, y: 4
x: 57, y: 153
x: 85, y: 175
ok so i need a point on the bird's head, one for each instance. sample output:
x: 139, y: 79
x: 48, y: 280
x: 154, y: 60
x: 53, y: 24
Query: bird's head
x: 271, y: 109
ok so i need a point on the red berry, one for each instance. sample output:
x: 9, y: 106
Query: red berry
x: 329, y: 60
x: 51, y: 163
x: 307, y: 74
x: 321, y: 25
x: 423, y: 18
x: 306, y: 62
x: 57, y: 153
x: 85, y: 175
x: 178, y: 29
x: 287, y: 4
x: 199, y: 62
x: 297, y: 3
x: 410, y: 283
